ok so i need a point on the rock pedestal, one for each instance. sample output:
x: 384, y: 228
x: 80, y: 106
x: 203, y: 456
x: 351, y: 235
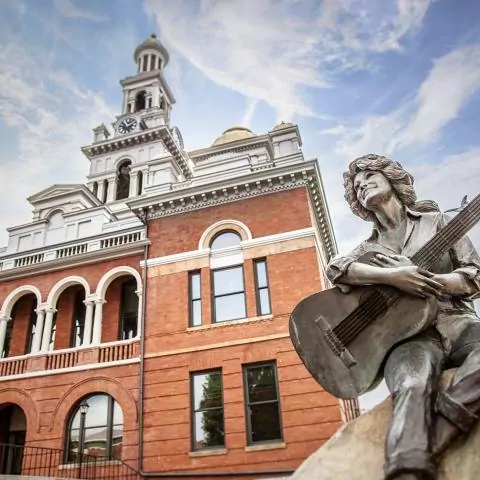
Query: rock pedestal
x: 356, y: 452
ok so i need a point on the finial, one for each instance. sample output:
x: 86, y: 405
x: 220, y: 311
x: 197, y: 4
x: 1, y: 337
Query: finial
x: 153, y: 35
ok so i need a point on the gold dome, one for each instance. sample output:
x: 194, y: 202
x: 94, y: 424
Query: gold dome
x: 233, y: 134
x: 283, y: 125
x: 149, y: 43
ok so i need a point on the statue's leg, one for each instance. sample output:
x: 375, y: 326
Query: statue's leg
x: 411, y: 373
x: 458, y: 406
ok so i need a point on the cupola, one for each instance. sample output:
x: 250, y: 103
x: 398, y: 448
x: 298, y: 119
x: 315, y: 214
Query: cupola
x: 233, y: 134
x: 151, y: 55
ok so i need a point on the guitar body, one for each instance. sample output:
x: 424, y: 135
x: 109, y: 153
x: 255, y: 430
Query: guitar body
x: 360, y: 367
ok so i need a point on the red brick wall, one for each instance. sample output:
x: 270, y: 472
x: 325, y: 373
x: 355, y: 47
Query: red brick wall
x: 264, y: 215
x: 21, y: 324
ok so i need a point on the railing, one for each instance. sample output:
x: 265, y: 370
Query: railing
x: 29, y: 260
x: 70, y: 357
x: 121, y: 240
x: 42, y: 462
x: 72, y: 250
x: 13, y: 366
x: 57, y: 360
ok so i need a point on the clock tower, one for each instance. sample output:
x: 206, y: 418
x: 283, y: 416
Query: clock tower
x: 144, y: 154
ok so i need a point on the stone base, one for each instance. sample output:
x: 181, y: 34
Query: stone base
x: 356, y: 452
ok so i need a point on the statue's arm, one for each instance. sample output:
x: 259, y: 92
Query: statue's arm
x: 464, y: 280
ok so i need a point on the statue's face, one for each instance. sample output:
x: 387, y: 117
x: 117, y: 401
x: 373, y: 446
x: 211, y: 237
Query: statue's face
x: 372, y: 188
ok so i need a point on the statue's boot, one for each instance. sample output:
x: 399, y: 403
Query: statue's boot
x: 453, y: 419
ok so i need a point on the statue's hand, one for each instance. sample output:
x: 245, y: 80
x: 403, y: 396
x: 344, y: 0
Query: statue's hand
x: 393, y: 260
x: 415, y: 281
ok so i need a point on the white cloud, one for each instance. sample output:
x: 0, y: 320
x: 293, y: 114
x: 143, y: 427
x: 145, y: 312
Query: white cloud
x: 272, y: 50
x: 69, y: 10
x: 449, y: 86
x: 419, y: 119
x: 49, y: 115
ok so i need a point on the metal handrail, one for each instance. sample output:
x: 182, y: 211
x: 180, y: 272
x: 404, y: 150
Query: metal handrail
x: 27, y: 460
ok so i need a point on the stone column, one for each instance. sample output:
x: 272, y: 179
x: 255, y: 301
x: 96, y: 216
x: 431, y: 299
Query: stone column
x: 97, y: 322
x: 37, y: 337
x: 3, y: 331
x: 133, y: 184
x: 111, y: 189
x: 140, y: 312
x: 87, y: 332
x: 47, y: 330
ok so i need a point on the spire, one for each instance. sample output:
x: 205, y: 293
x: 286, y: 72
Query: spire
x: 151, y: 55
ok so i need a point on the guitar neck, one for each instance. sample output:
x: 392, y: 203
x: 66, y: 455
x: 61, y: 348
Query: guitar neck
x: 443, y: 240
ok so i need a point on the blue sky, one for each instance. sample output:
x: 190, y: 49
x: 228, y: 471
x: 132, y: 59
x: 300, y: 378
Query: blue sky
x: 396, y: 77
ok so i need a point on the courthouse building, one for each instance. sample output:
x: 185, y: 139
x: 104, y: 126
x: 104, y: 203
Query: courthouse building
x: 144, y: 313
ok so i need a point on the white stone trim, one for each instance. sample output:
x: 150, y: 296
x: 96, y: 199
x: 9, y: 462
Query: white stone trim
x: 245, y: 244
x: 78, y: 368
x: 114, y: 273
x: 62, y: 285
x: 217, y: 226
x: 15, y: 295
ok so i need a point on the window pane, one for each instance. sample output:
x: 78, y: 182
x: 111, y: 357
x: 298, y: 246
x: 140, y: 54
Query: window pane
x: 228, y: 281
x: 261, y: 384
x: 196, y: 313
x: 225, y: 239
x: 195, y: 285
x: 207, y: 390
x: 95, y: 442
x: 264, y: 299
x: 117, y: 414
x: 230, y: 307
x: 209, y: 430
x: 261, y: 267
x: 265, y: 422
x: 97, y: 412
x: 129, y: 297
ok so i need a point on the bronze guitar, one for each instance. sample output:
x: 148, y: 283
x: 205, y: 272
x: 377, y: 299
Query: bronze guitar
x: 343, y: 339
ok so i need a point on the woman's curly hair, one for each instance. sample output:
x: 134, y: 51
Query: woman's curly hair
x: 400, y: 180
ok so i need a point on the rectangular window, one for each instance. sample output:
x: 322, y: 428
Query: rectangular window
x: 228, y: 294
x: 262, y: 403
x: 206, y: 393
x: 194, y: 293
x: 261, y: 287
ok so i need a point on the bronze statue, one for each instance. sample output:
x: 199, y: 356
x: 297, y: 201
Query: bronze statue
x: 421, y: 284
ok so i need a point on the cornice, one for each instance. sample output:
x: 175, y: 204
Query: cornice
x: 261, y: 182
x: 87, y: 258
x: 162, y: 132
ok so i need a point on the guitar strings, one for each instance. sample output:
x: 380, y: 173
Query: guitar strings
x: 355, y: 322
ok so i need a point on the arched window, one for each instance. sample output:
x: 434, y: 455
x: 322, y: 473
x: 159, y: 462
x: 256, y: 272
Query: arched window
x: 123, y: 180
x: 226, y: 238
x: 140, y: 183
x: 95, y: 428
x: 95, y: 188
x: 128, y: 310
x: 140, y: 101
x: 105, y: 191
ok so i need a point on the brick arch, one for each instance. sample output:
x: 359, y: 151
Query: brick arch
x: 217, y: 227
x: 62, y: 285
x: 114, y: 273
x: 23, y: 400
x: 15, y: 295
x: 91, y: 386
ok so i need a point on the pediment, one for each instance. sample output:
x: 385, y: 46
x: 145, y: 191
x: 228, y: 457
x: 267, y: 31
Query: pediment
x: 55, y: 191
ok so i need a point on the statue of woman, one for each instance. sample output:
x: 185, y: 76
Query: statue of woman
x: 425, y: 419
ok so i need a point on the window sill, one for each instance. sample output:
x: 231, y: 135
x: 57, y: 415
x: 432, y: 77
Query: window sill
x: 70, y: 466
x: 207, y: 453
x: 228, y: 323
x: 265, y: 446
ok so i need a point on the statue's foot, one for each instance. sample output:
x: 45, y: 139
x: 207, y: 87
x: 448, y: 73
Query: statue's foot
x: 411, y: 476
x: 444, y: 433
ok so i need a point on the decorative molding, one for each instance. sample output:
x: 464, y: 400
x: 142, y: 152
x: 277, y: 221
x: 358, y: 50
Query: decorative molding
x: 221, y: 225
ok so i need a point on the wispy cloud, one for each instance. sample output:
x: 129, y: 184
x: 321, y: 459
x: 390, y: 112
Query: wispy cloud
x: 419, y: 119
x: 273, y: 50
x: 50, y: 115
x: 68, y: 9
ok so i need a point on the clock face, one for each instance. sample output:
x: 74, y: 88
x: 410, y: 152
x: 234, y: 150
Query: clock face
x: 127, y: 125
